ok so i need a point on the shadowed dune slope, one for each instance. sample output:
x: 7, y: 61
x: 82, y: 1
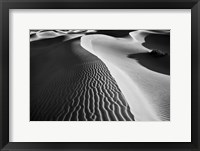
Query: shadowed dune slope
x: 69, y: 83
x: 157, y: 64
x: 158, y: 41
x: 153, y: 40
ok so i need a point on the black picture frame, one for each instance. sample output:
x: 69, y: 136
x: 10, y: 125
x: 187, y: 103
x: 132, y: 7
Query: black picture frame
x: 5, y: 5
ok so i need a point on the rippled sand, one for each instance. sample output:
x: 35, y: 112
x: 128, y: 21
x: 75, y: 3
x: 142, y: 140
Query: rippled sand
x: 69, y: 83
x: 142, y: 78
x: 91, y: 75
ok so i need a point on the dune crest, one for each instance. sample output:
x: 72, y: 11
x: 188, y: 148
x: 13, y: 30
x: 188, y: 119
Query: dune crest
x: 140, y: 35
x: 146, y: 91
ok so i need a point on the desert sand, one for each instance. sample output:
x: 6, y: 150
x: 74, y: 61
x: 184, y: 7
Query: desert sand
x: 68, y: 83
x: 100, y: 75
x: 143, y: 78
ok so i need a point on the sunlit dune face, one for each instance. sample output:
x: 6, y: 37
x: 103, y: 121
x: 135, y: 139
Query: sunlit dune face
x: 140, y: 72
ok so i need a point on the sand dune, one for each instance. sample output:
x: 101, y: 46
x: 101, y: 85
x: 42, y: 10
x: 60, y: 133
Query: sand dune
x: 89, y: 75
x: 36, y: 35
x: 146, y: 88
x: 42, y: 35
x: 69, y: 83
x: 140, y: 35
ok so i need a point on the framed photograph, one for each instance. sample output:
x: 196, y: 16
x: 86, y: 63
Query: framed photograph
x: 99, y: 75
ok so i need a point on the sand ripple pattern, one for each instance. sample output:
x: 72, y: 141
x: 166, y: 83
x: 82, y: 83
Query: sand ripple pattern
x: 85, y: 92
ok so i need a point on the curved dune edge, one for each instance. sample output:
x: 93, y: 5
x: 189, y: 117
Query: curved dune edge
x: 139, y: 35
x: 73, y: 85
x: 146, y: 91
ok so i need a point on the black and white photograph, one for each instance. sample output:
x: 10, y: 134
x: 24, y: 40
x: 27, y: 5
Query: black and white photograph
x: 99, y: 75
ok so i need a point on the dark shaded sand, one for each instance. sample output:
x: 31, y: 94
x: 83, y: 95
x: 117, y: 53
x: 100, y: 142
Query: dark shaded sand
x: 158, y: 64
x: 33, y: 35
x: 48, y: 42
x: 69, y: 83
x: 158, y: 41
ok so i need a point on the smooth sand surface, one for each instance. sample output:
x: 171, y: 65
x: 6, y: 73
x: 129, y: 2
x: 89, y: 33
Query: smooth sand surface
x: 69, y: 83
x: 144, y: 80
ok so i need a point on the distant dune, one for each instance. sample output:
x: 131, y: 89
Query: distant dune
x: 142, y: 77
x: 36, y: 35
x: 71, y: 84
